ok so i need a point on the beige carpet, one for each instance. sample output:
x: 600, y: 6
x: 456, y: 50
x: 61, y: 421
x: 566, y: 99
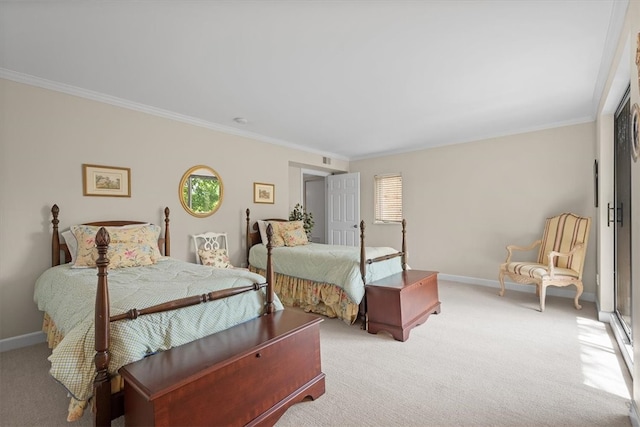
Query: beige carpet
x: 484, y: 361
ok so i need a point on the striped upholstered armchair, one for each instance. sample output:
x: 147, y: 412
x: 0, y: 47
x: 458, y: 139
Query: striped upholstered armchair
x: 560, y: 261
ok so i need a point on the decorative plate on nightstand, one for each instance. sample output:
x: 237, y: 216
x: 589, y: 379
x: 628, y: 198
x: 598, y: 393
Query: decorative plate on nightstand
x: 635, y: 124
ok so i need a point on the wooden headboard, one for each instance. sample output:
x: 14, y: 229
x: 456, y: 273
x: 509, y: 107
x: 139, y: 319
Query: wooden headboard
x: 253, y: 233
x: 164, y: 243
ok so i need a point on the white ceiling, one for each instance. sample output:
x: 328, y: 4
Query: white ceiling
x: 348, y: 79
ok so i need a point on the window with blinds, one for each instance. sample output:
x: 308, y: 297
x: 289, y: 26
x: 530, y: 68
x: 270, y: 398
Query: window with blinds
x: 388, y: 198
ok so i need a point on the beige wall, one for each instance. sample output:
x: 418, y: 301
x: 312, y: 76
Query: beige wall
x: 459, y: 199
x: 46, y: 136
x: 460, y: 193
x: 464, y: 203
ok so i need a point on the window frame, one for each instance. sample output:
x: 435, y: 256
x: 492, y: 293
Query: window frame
x: 382, y: 213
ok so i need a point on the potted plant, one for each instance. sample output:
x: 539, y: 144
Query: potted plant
x: 299, y: 214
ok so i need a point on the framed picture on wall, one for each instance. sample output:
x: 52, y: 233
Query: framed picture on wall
x: 106, y: 181
x: 264, y: 193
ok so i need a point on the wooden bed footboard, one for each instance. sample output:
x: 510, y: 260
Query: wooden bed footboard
x: 108, y: 406
x: 363, y: 257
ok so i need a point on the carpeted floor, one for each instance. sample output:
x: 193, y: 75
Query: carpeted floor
x: 484, y: 361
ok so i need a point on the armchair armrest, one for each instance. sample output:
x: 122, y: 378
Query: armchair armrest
x: 554, y: 254
x: 511, y: 248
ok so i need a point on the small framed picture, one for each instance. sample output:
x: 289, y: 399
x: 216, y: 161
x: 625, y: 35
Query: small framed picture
x: 106, y: 181
x: 264, y: 193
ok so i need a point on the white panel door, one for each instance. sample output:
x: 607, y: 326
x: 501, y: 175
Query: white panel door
x: 343, y: 209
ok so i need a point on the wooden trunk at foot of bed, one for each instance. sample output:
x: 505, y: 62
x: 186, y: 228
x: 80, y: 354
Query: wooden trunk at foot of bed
x: 108, y: 406
x: 247, y: 375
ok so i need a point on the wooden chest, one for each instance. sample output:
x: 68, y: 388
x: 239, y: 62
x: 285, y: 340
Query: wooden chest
x: 399, y: 302
x: 246, y: 375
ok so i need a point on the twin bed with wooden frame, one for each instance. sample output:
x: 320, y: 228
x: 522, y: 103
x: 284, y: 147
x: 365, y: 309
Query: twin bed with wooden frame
x: 337, y: 288
x: 195, y: 381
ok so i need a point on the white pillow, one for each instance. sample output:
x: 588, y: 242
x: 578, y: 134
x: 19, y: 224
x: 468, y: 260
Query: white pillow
x: 262, y: 227
x: 72, y: 244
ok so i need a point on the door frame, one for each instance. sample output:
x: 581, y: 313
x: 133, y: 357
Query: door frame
x: 303, y: 195
x: 613, y: 94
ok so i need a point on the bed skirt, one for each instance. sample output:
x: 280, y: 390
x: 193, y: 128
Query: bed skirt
x: 76, y: 407
x: 315, y: 297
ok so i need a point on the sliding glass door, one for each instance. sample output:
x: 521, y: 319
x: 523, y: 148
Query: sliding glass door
x: 620, y: 214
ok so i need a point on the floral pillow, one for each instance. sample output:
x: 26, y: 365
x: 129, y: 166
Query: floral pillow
x: 295, y: 237
x: 217, y: 258
x: 276, y: 239
x: 279, y: 230
x: 130, y: 246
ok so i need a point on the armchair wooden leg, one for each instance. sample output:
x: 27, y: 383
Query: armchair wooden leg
x: 542, y: 289
x: 501, y: 279
x: 579, y: 290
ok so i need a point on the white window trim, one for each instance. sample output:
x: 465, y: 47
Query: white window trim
x: 377, y: 207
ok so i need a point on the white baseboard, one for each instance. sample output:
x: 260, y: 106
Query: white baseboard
x: 633, y: 414
x: 626, y: 348
x: 568, y: 292
x: 22, y: 341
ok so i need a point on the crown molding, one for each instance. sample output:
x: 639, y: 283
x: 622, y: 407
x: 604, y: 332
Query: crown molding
x: 159, y: 112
